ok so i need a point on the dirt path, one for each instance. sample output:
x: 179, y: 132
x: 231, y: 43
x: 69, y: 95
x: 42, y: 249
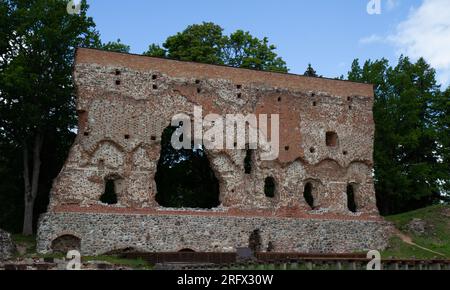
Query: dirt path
x: 407, y: 239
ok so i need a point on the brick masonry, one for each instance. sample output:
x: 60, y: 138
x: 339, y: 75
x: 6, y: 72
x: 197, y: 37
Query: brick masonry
x: 125, y: 102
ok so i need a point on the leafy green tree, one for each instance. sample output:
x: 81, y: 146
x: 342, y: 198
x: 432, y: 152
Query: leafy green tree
x: 408, y: 174
x: 442, y: 107
x: 37, y: 93
x: 206, y: 43
x: 116, y: 46
x: 200, y: 43
x: 155, y: 50
x: 243, y: 50
x: 310, y: 72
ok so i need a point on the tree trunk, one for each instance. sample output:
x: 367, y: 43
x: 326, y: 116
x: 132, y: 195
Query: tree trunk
x: 31, y: 189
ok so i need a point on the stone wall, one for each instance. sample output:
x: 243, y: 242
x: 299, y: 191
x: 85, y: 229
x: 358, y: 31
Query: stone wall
x: 100, y: 233
x: 7, y: 247
x: 126, y: 101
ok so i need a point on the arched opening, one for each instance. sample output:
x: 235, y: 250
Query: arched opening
x: 186, y: 251
x: 308, y: 194
x: 65, y: 243
x: 184, y: 177
x: 351, y: 203
x: 269, y: 187
x: 109, y: 195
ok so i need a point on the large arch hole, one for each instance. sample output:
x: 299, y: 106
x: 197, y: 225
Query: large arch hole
x: 184, y: 178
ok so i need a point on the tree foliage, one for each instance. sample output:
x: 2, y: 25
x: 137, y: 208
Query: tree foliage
x: 116, y: 46
x: 310, y: 72
x: 206, y: 43
x: 37, y: 93
x: 409, y: 111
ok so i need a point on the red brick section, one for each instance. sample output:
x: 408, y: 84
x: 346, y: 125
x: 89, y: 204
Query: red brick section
x: 205, y: 71
x: 231, y: 212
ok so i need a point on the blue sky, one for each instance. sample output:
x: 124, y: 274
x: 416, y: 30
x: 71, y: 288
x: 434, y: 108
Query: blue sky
x: 327, y: 33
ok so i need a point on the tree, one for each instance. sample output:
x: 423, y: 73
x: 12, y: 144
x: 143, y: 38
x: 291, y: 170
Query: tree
x: 442, y: 107
x: 200, y: 43
x: 310, y: 72
x: 36, y: 85
x: 243, y: 50
x: 206, y: 43
x: 408, y: 173
x: 156, y: 51
x: 116, y: 46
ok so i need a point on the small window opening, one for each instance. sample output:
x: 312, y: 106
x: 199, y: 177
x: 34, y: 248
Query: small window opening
x: 269, y: 187
x: 155, y: 87
x: 331, y: 139
x: 351, y: 203
x: 117, y: 82
x: 110, y: 195
x: 154, y: 77
x: 308, y: 194
x: 248, y: 161
x: 117, y: 72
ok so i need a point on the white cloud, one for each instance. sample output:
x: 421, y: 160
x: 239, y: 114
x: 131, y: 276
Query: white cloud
x: 374, y: 38
x: 392, y: 4
x: 426, y: 33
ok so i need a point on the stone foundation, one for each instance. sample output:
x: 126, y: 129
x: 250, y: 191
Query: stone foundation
x: 101, y: 233
x: 7, y: 247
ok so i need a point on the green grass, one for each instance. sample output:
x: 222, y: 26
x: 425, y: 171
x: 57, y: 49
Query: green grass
x: 132, y: 263
x: 26, y: 242
x: 436, y: 236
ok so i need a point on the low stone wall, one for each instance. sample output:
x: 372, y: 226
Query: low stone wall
x: 100, y: 233
x: 7, y: 247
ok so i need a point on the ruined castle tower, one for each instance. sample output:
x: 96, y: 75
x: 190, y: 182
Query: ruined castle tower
x: 323, y: 199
